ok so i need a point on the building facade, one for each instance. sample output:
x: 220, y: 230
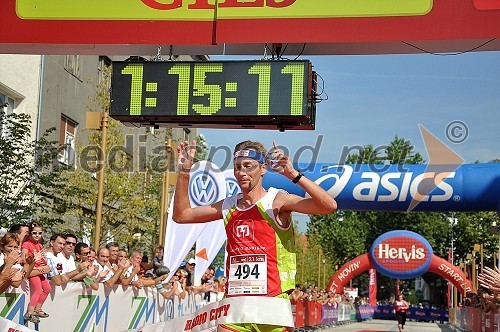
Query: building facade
x: 57, y: 91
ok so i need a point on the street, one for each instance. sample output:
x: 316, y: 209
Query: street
x: 377, y: 325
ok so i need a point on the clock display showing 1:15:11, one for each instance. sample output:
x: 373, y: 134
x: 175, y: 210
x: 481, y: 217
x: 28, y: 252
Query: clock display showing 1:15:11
x: 213, y: 92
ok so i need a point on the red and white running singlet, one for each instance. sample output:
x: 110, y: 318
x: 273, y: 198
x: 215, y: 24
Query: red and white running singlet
x: 261, y: 254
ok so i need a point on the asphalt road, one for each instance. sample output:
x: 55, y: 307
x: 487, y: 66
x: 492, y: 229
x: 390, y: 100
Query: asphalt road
x: 377, y: 325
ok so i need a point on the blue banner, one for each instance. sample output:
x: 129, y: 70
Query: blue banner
x: 469, y: 187
x: 425, y: 315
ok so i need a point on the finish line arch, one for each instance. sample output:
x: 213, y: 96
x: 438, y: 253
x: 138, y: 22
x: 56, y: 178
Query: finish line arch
x: 399, y: 255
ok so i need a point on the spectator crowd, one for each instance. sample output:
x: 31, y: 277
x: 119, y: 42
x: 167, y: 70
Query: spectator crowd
x: 313, y: 293
x: 65, y: 259
x: 487, y: 297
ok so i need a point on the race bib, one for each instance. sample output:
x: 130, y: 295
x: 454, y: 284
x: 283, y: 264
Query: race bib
x: 247, y: 275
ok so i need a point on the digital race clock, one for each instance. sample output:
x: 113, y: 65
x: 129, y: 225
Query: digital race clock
x: 215, y: 94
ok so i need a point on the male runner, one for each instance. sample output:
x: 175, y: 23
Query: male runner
x: 260, y: 239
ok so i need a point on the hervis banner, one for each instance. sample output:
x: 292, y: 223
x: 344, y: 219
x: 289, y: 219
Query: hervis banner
x: 400, y: 255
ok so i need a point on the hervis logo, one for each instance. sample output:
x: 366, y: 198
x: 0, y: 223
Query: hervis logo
x: 401, y: 254
x: 144, y: 311
x: 13, y: 305
x: 94, y: 314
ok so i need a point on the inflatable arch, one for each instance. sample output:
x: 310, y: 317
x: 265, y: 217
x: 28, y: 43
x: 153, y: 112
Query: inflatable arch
x: 400, y: 255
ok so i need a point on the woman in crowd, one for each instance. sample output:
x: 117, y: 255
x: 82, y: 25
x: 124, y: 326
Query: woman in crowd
x: 39, y: 285
x: 11, y: 271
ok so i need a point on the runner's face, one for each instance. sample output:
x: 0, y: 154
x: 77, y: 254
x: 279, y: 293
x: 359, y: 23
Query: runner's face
x: 248, y: 172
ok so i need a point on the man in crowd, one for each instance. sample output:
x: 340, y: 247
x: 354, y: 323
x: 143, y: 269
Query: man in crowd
x: 56, y: 263
x: 66, y: 256
x: 113, y: 248
x: 82, y: 254
x: 22, y: 232
x: 189, y: 268
x: 131, y: 275
x: 122, y: 254
x: 104, y: 273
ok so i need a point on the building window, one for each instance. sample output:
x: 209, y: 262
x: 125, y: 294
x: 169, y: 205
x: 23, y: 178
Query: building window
x: 104, y: 71
x: 72, y: 65
x: 186, y: 133
x: 67, y: 138
x: 7, y: 105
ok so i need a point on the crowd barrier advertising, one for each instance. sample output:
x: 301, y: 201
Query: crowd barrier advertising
x: 386, y: 312
x: 474, y: 319
x: 74, y: 308
x: 310, y: 313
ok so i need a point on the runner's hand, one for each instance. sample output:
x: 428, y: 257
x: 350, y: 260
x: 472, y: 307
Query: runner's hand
x: 280, y: 163
x: 185, y: 156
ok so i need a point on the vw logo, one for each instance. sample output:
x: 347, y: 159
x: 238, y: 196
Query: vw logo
x: 203, y: 189
x: 232, y: 187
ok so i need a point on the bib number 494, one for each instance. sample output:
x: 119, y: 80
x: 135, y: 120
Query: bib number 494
x: 244, y: 271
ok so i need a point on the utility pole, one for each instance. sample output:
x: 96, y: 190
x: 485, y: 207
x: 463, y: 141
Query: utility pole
x: 168, y: 179
x: 98, y: 120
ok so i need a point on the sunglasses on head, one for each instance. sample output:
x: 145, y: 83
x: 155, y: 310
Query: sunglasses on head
x: 37, y: 233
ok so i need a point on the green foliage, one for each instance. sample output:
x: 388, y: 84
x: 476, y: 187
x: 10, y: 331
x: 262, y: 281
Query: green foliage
x: 28, y: 174
x: 201, y: 148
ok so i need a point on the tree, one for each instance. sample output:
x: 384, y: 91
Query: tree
x: 27, y: 172
x: 348, y: 234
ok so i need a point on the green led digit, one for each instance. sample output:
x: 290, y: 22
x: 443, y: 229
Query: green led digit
x: 264, y: 72
x: 297, y: 72
x: 213, y: 91
x: 136, y: 70
x: 184, y: 71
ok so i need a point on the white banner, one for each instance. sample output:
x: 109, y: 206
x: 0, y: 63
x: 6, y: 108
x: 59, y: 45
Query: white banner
x: 76, y: 308
x: 179, y: 239
x: 242, y: 309
x: 207, y: 186
x: 207, y: 247
x: 73, y: 307
x: 9, y: 326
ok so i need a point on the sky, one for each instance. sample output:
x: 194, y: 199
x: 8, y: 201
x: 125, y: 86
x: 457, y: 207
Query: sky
x: 373, y: 98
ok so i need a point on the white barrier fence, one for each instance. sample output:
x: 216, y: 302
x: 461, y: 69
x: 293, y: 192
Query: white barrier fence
x: 75, y: 308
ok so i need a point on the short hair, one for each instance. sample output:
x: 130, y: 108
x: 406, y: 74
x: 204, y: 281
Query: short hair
x: 112, y: 244
x: 79, y: 246
x: 71, y: 235
x: 17, y: 228
x: 136, y: 252
x: 56, y: 235
x: 251, y: 145
x: 8, y: 238
x: 162, y: 270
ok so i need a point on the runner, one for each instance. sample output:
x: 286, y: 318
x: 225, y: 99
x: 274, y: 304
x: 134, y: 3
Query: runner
x: 260, y: 245
x: 400, y: 308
